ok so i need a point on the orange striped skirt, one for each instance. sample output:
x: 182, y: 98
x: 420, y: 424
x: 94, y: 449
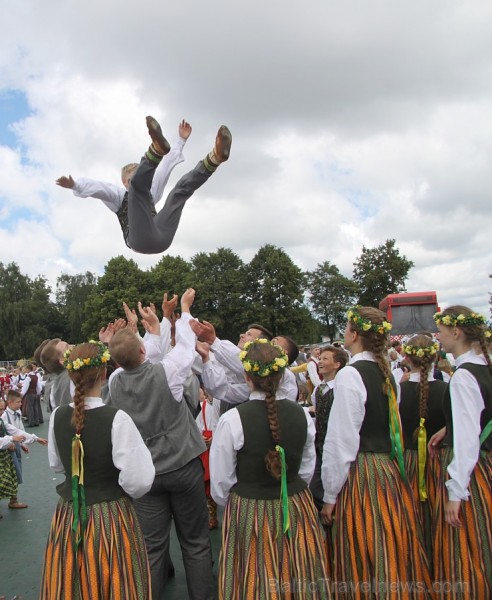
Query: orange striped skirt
x: 110, y: 562
x: 378, y: 540
x: 258, y: 562
x: 463, y: 555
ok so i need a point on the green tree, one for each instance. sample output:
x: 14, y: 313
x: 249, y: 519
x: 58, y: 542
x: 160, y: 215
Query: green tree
x: 219, y: 279
x: 172, y: 274
x: 27, y: 316
x: 275, y: 293
x: 380, y: 271
x: 331, y: 295
x: 72, y: 292
x: 122, y: 281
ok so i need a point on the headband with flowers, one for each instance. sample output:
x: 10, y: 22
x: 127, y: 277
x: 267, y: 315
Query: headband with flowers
x: 420, y: 351
x: 85, y: 363
x: 460, y: 320
x: 262, y: 369
x: 362, y: 324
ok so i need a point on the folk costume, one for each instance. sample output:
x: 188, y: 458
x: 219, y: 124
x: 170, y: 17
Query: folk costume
x: 95, y: 546
x: 416, y: 465
x: 463, y: 471
x: 377, y: 537
x: 258, y: 559
x: 8, y: 476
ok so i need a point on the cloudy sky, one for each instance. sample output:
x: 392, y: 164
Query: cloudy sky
x: 353, y: 122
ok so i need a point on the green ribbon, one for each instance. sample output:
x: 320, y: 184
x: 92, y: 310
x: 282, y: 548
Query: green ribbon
x: 395, y: 430
x: 487, y: 430
x: 284, y: 497
x: 78, y: 491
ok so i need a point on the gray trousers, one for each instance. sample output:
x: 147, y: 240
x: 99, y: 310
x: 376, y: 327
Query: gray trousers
x: 179, y: 495
x: 154, y: 234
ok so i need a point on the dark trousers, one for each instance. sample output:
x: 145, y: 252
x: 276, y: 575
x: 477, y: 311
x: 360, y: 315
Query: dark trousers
x: 178, y: 496
x: 33, y: 410
x: 316, y: 485
x: 149, y: 234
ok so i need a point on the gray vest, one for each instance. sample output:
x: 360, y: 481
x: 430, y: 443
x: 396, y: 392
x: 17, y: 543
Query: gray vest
x: 167, y: 426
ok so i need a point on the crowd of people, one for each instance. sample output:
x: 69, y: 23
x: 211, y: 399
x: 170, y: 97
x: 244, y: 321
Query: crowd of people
x: 355, y: 470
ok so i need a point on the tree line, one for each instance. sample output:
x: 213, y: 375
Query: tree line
x: 271, y: 289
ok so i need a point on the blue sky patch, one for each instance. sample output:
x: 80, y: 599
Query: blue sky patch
x: 13, y: 107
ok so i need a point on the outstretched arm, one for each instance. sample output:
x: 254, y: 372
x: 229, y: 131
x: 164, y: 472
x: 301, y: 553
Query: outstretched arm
x: 112, y: 195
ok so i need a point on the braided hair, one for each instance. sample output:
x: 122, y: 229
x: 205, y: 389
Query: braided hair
x: 84, y: 379
x: 424, y: 363
x: 265, y: 353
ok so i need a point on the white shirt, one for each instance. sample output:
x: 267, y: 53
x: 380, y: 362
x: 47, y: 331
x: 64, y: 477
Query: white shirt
x: 235, y: 389
x: 467, y: 405
x: 112, y: 195
x: 212, y: 415
x: 130, y: 455
x: 229, y: 439
x: 27, y: 382
x: 325, y: 386
x: 342, y: 438
x: 15, y: 426
x: 177, y: 362
x: 312, y: 370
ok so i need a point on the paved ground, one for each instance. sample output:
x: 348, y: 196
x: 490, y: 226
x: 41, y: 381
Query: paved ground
x: 23, y: 533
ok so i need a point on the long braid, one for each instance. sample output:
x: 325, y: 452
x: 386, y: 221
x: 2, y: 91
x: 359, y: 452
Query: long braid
x: 375, y: 342
x: 427, y: 348
x: 265, y: 353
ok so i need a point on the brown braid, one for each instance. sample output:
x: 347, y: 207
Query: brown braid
x: 375, y: 342
x: 269, y: 384
x: 84, y: 379
x: 424, y: 364
x: 473, y: 333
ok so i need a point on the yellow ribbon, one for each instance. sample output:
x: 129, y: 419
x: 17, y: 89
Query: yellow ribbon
x: 422, y: 455
x: 395, y: 430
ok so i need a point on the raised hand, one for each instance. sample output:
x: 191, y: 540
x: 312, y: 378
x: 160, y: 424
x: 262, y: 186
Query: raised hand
x: 67, y: 182
x: 187, y: 300
x: 169, y: 306
x: 184, y: 130
x: 131, y: 317
x: 204, y: 331
x: 106, y: 333
x: 203, y: 349
x: 150, y: 320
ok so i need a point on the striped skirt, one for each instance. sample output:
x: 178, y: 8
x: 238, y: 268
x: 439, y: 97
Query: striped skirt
x: 8, y: 476
x: 463, y: 555
x: 411, y: 460
x: 110, y: 562
x: 258, y: 562
x: 378, y: 539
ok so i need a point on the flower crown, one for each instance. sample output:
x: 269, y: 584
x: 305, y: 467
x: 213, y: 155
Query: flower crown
x: 420, y: 351
x: 262, y: 369
x: 85, y: 363
x: 462, y: 320
x: 362, y: 324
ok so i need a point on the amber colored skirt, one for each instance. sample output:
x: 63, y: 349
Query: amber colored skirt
x: 110, y: 562
x: 258, y: 562
x: 378, y: 540
x: 463, y: 555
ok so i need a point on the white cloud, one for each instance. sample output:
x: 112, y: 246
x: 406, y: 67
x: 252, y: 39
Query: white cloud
x: 352, y: 122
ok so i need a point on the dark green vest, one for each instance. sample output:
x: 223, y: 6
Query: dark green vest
x: 375, y: 432
x: 100, y: 474
x: 409, y: 410
x: 484, y: 380
x: 324, y: 402
x: 253, y: 479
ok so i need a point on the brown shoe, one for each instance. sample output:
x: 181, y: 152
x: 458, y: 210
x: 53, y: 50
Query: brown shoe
x: 17, y: 505
x: 158, y: 138
x: 223, y: 143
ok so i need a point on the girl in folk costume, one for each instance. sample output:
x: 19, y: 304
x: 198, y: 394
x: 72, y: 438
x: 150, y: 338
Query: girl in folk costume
x: 378, y: 547
x: 261, y: 461
x: 8, y: 474
x: 95, y: 546
x: 421, y: 417
x: 463, y: 467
